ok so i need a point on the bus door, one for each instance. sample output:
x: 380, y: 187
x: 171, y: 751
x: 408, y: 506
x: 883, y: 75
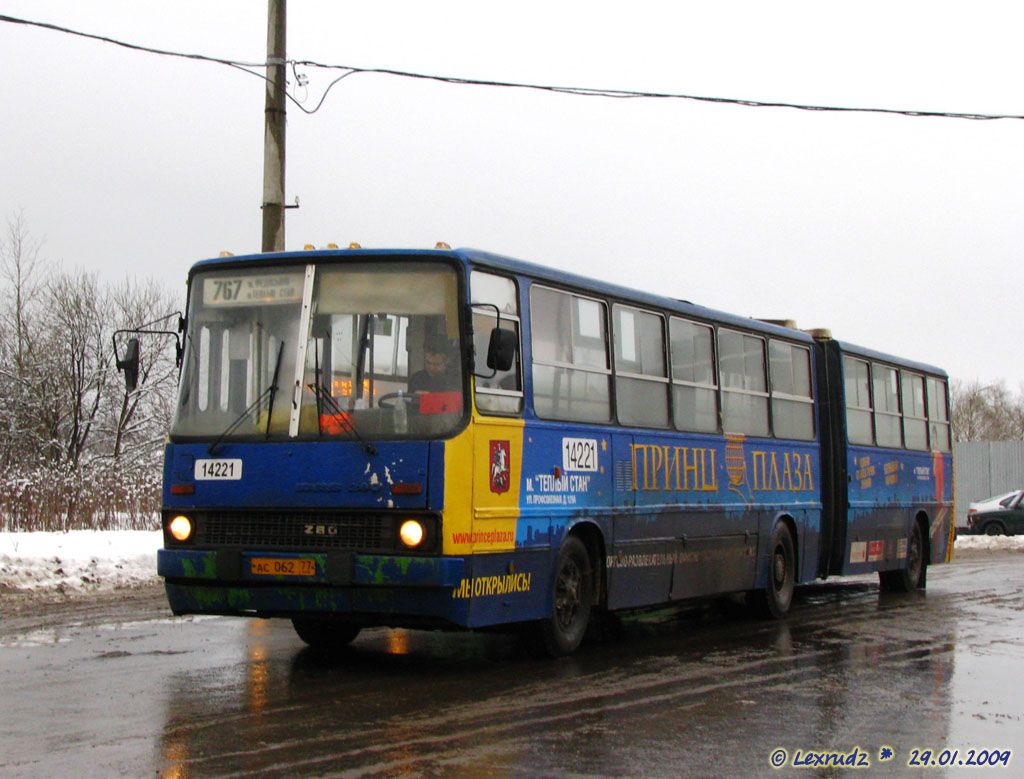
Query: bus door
x: 672, y: 538
x: 640, y: 559
x: 715, y: 546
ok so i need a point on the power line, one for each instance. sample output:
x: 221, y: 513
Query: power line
x: 124, y: 44
x: 626, y: 94
x: 238, y: 64
x: 461, y: 81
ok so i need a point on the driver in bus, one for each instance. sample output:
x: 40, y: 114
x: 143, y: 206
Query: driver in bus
x: 437, y: 374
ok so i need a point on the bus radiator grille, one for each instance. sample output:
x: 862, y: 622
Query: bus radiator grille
x: 307, y: 530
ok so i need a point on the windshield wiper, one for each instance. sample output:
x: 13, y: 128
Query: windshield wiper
x: 365, y: 333
x: 324, y: 398
x: 271, y: 391
x: 342, y: 417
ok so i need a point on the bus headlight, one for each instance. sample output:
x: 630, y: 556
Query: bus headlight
x: 412, y: 533
x: 180, y: 528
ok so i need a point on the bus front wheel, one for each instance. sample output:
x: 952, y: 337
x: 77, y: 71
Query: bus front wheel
x: 571, y: 595
x: 325, y: 634
x: 774, y: 600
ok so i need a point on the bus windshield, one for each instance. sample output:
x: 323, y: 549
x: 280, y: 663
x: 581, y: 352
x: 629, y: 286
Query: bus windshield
x: 378, y: 345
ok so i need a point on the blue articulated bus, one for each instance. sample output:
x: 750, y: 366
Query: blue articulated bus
x: 455, y: 439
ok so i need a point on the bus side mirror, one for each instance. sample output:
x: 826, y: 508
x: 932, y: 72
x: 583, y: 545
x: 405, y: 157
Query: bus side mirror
x: 501, y: 351
x: 130, y: 365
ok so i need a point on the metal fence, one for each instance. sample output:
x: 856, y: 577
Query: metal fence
x: 984, y: 469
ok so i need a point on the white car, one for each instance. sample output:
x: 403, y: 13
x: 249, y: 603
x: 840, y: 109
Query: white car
x: 991, y: 504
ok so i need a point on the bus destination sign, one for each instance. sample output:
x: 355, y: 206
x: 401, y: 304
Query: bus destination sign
x: 249, y: 290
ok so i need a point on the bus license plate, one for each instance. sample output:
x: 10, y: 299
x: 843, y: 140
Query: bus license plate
x: 275, y: 566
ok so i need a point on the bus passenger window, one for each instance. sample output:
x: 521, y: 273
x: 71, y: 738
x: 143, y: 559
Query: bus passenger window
x: 887, y: 408
x: 915, y: 426
x: 641, y: 379
x: 792, y: 402
x: 744, y: 385
x: 858, y: 402
x: 694, y: 390
x: 938, y: 415
x: 571, y: 376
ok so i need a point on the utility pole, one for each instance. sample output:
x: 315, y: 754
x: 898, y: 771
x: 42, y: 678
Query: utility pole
x: 273, y: 139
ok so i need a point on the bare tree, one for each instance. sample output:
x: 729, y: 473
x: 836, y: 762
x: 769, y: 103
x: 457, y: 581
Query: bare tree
x: 23, y: 277
x: 80, y: 357
x: 23, y: 272
x: 986, y: 412
x: 75, y: 450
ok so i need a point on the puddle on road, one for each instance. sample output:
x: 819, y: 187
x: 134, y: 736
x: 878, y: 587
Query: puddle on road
x: 35, y: 638
x: 73, y: 631
x: 988, y: 693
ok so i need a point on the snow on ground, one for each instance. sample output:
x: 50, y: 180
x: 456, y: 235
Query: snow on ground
x: 85, y: 560
x: 1012, y: 543
x: 90, y: 560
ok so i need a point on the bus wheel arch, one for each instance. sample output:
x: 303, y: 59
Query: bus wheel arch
x: 774, y: 599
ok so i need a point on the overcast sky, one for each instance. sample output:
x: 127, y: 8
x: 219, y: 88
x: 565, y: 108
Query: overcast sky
x: 897, y: 233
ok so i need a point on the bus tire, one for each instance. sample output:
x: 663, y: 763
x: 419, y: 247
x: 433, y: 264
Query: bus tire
x: 913, y: 576
x: 572, y: 594
x: 325, y: 634
x: 774, y: 600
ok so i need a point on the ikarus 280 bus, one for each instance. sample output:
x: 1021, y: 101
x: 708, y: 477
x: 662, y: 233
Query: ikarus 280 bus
x: 454, y: 439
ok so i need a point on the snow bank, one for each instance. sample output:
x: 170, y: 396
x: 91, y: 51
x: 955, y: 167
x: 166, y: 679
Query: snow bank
x: 89, y: 560
x: 86, y: 560
x: 1013, y: 543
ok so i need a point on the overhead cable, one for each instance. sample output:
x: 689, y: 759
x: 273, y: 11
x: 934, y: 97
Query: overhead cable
x: 462, y: 81
x: 626, y: 93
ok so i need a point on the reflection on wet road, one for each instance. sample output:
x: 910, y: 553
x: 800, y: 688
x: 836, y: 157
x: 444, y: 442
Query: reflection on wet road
x: 709, y: 692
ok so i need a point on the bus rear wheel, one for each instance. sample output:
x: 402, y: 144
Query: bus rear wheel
x: 913, y: 576
x: 325, y: 634
x: 774, y: 600
x: 571, y: 595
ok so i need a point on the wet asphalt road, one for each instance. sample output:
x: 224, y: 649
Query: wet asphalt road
x: 115, y: 686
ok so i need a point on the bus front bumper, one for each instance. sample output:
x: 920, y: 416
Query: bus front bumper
x: 290, y: 584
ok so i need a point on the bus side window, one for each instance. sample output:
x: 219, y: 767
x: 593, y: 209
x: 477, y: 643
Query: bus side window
x: 887, y: 408
x: 744, y: 385
x: 938, y: 415
x: 695, y: 391
x: 792, y: 401
x: 859, y: 428
x: 501, y: 393
x: 571, y: 377
x: 915, y: 425
x: 641, y: 376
